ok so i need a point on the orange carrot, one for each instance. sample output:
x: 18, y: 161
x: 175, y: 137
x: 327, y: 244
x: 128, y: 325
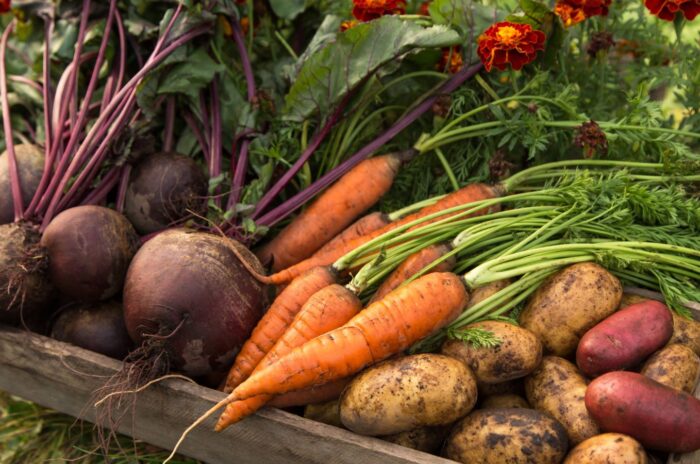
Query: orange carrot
x: 468, y: 194
x: 326, y: 310
x: 326, y: 392
x: 275, y: 322
x: 384, y: 328
x: 363, y: 226
x: 332, y: 211
x: 414, y: 264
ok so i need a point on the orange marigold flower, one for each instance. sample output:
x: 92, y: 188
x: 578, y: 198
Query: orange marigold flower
x: 667, y: 9
x: 345, y: 25
x: 574, y: 11
x: 451, y: 60
x: 509, y: 43
x: 367, y: 10
x: 423, y: 8
x: 245, y: 24
x: 5, y: 6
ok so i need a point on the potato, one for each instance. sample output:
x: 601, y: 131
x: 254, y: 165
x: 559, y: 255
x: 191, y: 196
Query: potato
x: 406, y: 393
x: 513, y: 436
x: 569, y: 303
x: 481, y: 293
x: 518, y: 354
x: 426, y: 439
x: 675, y: 366
x: 657, y: 416
x: 686, y: 332
x: 624, y: 339
x: 328, y: 413
x: 629, y: 299
x: 504, y: 401
x: 608, y: 448
x: 515, y: 387
x: 558, y: 388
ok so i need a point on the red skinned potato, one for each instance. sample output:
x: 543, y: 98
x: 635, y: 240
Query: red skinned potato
x: 657, y: 416
x: 625, y: 339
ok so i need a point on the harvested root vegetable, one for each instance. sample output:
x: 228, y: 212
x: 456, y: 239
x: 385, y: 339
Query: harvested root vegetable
x: 657, y: 416
x: 327, y: 392
x: 608, y: 448
x: 163, y: 189
x: 504, y: 401
x: 328, y: 413
x: 624, y: 339
x: 96, y: 327
x: 363, y: 226
x: 187, y: 295
x: 89, y: 249
x: 426, y: 439
x: 686, y: 332
x: 675, y: 366
x: 30, y: 167
x: 25, y: 291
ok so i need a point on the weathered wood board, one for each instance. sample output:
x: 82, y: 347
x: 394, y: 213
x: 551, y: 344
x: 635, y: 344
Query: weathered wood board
x: 63, y: 377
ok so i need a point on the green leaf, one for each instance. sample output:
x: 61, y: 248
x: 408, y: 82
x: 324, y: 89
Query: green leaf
x: 190, y: 76
x: 451, y: 12
x: 287, y: 9
x: 536, y: 10
x: 336, y: 69
x: 478, y: 338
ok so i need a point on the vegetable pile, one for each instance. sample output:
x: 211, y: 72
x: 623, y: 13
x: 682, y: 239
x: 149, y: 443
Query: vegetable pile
x: 470, y: 229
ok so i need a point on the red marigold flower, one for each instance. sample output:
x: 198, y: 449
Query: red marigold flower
x: 5, y: 6
x: 451, y: 60
x: 507, y: 42
x: 423, y: 8
x: 667, y: 9
x: 367, y: 10
x: 574, y: 11
x: 591, y: 138
x: 345, y: 25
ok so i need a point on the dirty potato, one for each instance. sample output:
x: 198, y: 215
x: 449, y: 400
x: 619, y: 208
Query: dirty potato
x: 675, y: 366
x: 629, y: 299
x: 504, y: 401
x: 518, y: 354
x: 406, y: 393
x: 481, y: 293
x: 558, y: 388
x: 569, y: 303
x: 426, y: 439
x: 328, y: 413
x: 686, y: 332
x: 515, y: 436
x: 608, y: 448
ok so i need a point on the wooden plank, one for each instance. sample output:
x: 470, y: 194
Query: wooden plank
x: 63, y: 377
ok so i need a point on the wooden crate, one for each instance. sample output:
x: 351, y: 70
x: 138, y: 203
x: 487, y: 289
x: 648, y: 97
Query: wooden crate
x: 63, y: 377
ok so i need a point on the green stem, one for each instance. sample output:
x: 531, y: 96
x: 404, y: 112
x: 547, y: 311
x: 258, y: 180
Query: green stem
x: 447, y: 168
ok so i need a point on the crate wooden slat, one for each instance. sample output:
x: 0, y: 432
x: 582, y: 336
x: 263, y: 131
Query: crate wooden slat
x: 62, y: 377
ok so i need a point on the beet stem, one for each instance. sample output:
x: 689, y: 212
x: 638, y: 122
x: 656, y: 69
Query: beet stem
x: 123, y: 184
x: 215, y: 157
x: 286, y: 208
x: 7, y: 125
x: 168, y: 133
x: 99, y: 193
x: 47, y: 93
x: 194, y: 127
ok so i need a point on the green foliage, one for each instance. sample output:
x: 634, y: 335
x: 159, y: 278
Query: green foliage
x: 478, y: 338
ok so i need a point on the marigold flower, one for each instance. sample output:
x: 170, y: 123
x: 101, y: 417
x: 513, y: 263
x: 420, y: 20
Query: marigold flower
x: 509, y: 43
x: 345, y: 25
x: 667, y: 9
x: 600, y: 41
x: 245, y: 25
x: 367, y: 10
x: 591, y: 138
x: 5, y: 6
x: 574, y: 11
x: 423, y: 8
x: 451, y: 60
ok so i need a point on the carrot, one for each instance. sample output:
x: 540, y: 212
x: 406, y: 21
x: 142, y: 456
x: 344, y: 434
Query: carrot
x: 333, y: 210
x: 327, y: 309
x: 467, y: 194
x: 314, y: 395
x: 363, y: 226
x: 384, y: 328
x: 275, y: 322
x: 414, y: 264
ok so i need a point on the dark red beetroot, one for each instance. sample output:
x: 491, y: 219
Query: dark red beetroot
x: 625, y: 339
x: 25, y: 291
x: 657, y: 416
x: 97, y: 327
x: 190, y: 290
x: 162, y: 188
x: 30, y: 166
x: 89, y: 248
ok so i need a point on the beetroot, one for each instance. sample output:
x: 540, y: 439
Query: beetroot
x: 188, y: 292
x: 89, y: 249
x: 30, y: 166
x: 162, y: 188
x: 97, y: 327
x: 25, y: 292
